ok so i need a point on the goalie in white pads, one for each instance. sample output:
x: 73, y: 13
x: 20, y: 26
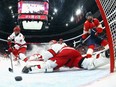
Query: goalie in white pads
x: 59, y: 56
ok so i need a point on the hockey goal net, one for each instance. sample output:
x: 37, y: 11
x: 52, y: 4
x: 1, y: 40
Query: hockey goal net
x: 108, y: 12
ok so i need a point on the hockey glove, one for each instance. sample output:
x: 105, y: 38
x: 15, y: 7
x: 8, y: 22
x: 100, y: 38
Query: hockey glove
x: 9, y: 43
x: 26, y: 70
x: 81, y: 41
x: 98, y: 31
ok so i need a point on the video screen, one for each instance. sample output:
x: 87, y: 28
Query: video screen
x: 33, y: 7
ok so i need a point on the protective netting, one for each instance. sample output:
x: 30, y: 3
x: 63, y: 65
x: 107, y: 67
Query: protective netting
x: 108, y: 12
x: 109, y: 7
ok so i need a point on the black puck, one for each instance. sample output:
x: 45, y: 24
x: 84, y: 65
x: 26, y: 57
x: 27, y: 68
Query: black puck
x: 18, y: 78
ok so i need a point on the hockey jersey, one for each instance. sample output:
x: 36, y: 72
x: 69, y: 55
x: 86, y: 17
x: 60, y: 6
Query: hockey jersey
x: 18, y: 40
x: 95, y: 24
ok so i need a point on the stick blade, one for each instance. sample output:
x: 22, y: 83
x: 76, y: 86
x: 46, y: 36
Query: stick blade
x: 10, y: 70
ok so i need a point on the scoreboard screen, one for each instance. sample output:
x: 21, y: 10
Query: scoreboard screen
x: 33, y: 7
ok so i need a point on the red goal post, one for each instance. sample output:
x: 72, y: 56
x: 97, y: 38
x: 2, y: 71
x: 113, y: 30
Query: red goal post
x: 108, y: 12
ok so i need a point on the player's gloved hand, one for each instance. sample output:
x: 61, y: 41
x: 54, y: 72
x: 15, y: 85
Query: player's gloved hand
x: 26, y: 69
x: 96, y: 34
x: 10, y: 49
x: 9, y: 43
x: 98, y: 31
x: 81, y: 41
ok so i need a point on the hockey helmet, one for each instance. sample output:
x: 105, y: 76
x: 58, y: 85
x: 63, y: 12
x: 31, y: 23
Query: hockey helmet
x: 88, y: 14
x: 17, y: 29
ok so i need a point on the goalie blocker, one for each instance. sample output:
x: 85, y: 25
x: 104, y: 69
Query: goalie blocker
x: 68, y: 57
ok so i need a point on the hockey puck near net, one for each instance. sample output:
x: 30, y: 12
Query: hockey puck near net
x: 18, y: 78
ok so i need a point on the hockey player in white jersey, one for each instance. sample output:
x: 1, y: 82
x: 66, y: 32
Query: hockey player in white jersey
x: 19, y: 44
x: 59, y: 56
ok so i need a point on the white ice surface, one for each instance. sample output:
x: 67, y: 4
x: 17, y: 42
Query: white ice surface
x: 64, y: 78
x: 108, y: 81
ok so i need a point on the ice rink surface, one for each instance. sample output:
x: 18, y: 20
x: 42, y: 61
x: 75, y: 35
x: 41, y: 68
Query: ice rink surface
x: 64, y: 78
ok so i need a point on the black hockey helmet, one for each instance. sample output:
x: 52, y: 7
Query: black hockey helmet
x: 88, y: 14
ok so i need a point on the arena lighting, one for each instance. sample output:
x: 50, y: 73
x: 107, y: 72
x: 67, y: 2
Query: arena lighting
x: 12, y: 11
x: 55, y: 10
x: 66, y: 24
x: 72, y: 19
x: 78, y: 11
x: 53, y: 13
x: 13, y: 16
x: 52, y: 18
x: 10, y: 7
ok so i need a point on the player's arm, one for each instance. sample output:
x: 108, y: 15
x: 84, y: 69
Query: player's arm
x: 10, y: 38
x: 85, y: 30
x: 99, y: 28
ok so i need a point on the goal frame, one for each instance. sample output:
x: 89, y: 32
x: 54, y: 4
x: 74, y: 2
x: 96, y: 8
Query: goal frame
x: 109, y: 35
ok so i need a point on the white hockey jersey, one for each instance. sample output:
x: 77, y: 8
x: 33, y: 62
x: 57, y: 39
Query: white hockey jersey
x: 54, y: 49
x: 19, y: 40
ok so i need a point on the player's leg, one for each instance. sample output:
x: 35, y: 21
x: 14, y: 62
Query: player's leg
x: 91, y: 43
x: 22, y: 55
x: 91, y: 46
x: 39, y: 66
x: 94, y: 62
x: 90, y: 50
x: 15, y: 57
x: 102, y: 42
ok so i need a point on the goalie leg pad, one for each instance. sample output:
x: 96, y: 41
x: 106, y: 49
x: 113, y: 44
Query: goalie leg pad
x: 22, y: 56
x: 88, y: 63
x: 92, y: 63
x: 47, y: 66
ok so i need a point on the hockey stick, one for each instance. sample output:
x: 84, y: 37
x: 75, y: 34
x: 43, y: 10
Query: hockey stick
x: 11, y: 69
x: 80, y: 41
x: 93, y: 30
x: 3, y: 40
x: 25, y: 43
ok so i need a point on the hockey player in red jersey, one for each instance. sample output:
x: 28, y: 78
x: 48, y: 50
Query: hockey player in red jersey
x: 93, y: 28
x: 59, y: 56
x: 19, y: 47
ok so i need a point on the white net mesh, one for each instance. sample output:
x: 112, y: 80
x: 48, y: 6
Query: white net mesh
x: 109, y: 7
